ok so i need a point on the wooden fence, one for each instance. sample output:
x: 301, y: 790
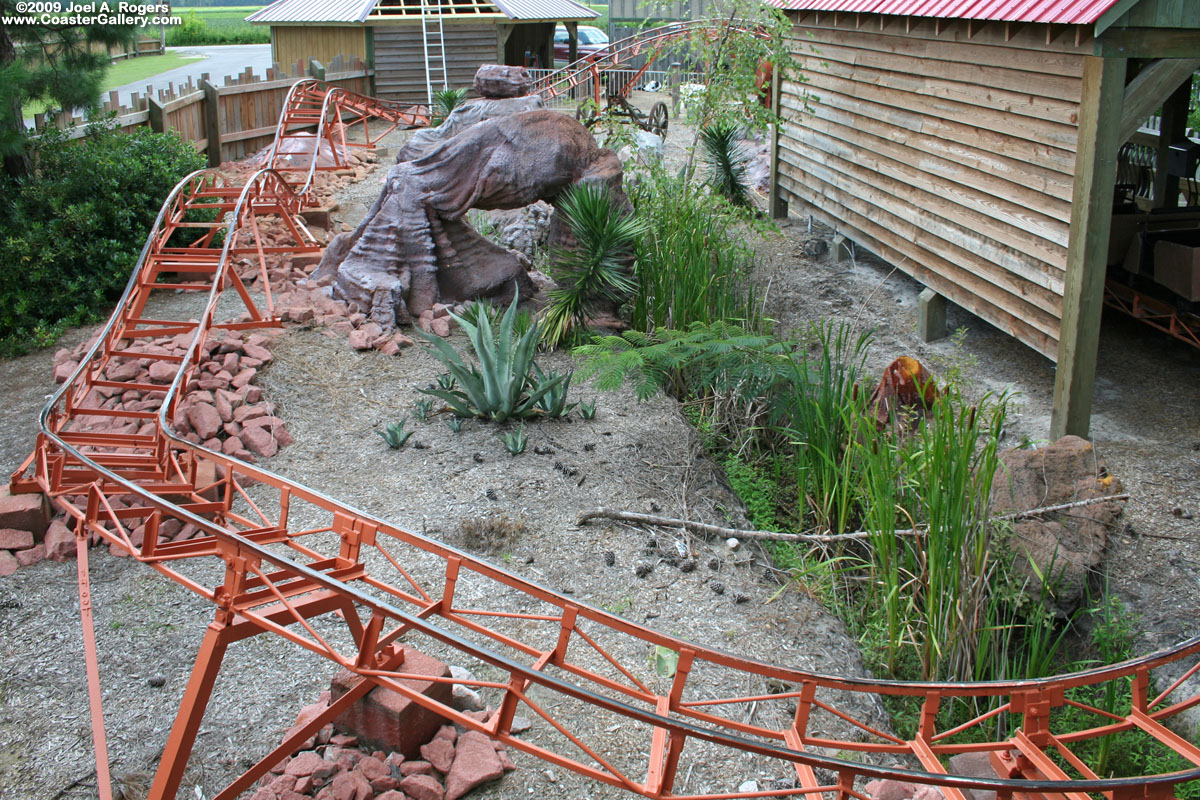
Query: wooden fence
x: 226, y: 121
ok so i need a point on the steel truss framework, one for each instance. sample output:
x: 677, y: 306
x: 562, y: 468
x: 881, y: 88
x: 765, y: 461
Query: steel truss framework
x: 356, y: 590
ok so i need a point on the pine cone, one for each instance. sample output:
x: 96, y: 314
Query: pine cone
x: 717, y: 587
x: 643, y: 568
x: 610, y: 558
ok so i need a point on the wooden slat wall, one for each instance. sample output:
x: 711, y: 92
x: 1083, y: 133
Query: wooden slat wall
x: 322, y: 42
x: 1162, y: 14
x: 639, y: 9
x: 949, y: 152
x: 400, y: 58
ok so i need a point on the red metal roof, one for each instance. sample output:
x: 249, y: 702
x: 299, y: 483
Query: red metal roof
x: 1075, y: 12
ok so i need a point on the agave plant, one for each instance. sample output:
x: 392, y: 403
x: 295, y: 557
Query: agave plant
x: 597, y: 268
x: 514, y: 441
x: 498, y: 386
x: 726, y: 161
x: 395, y: 435
x: 553, y: 402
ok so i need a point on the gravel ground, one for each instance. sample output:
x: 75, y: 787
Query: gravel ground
x: 639, y: 456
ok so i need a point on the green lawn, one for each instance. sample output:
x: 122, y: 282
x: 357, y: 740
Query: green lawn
x: 123, y: 72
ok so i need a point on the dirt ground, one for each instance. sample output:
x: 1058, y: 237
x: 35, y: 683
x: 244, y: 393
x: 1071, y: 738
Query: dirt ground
x: 637, y: 456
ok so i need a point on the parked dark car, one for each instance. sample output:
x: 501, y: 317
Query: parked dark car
x: 591, y: 41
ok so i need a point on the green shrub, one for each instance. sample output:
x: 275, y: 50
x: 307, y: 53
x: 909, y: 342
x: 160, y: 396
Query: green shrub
x: 73, y: 230
x: 726, y: 158
x: 216, y: 26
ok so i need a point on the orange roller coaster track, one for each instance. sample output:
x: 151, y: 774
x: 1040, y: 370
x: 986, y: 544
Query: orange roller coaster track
x: 273, y: 556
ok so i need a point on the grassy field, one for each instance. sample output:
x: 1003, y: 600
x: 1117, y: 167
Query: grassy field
x: 217, y: 25
x: 123, y: 72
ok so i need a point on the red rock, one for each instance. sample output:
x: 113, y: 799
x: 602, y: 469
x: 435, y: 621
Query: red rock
x: 280, y: 432
x: 386, y: 720
x: 505, y: 761
x: 9, y: 564
x: 244, y: 377
x: 59, y: 542
x: 447, y: 732
x: 351, y: 786
x: 440, y: 310
x: 305, y: 786
x: 63, y: 371
x: 385, y: 784
x: 439, y: 753
x: 204, y: 419
x: 224, y: 407
x: 475, y: 762
x: 162, y: 371
x: 13, y: 539
x: 373, y: 768
x: 359, y: 340
x: 425, y: 320
x: 253, y: 394
x: 283, y: 783
x: 389, y: 348
x: 416, y: 768
x: 394, y: 760
x: 31, y: 556
x: 344, y: 740
x: 125, y: 371
x: 24, y: 512
x: 290, y: 794
x: 889, y: 789
x: 421, y: 787
x: 299, y: 315
x: 440, y: 327
x: 258, y: 440
x: 391, y: 795
x: 309, y: 763
x: 264, y: 794
x: 403, y: 341
x: 257, y: 351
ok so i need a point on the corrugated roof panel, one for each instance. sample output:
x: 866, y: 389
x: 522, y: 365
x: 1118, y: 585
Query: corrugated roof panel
x: 359, y: 10
x: 314, y: 11
x: 1073, y: 12
x: 527, y: 10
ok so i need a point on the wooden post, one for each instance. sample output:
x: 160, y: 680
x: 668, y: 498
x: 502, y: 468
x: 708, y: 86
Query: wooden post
x: 316, y: 69
x: 212, y: 120
x: 572, y: 43
x: 503, y: 31
x: 843, y: 249
x: 1172, y: 128
x: 777, y: 207
x: 1100, y: 110
x: 931, y: 316
x: 157, y: 119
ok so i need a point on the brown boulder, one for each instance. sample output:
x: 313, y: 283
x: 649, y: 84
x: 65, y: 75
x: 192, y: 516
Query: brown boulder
x: 496, y: 80
x: 1067, y: 546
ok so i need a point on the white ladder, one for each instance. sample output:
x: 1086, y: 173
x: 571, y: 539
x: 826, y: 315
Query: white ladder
x: 439, y: 47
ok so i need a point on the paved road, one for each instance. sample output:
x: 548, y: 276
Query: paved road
x: 217, y: 61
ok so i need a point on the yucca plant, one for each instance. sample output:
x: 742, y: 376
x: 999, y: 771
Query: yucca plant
x: 598, y: 268
x: 445, y: 101
x: 498, y: 387
x: 726, y: 158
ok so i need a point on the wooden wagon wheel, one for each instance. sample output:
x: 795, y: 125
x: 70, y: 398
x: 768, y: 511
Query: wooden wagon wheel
x: 659, y: 119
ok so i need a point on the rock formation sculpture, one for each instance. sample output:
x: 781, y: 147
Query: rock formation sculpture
x: 414, y: 248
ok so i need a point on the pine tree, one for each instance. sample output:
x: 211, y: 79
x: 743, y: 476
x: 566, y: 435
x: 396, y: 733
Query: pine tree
x: 62, y: 65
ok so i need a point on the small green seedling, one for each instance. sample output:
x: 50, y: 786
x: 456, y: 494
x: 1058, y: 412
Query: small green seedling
x: 515, y: 441
x: 395, y: 435
x: 454, y: 424
x: 446, y: 381
x: 423, y: 408
x: 587, y: 410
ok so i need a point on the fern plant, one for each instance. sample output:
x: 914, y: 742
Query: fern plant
x: 597, y: 268
x: 726, y: 157
x: 497, y: 386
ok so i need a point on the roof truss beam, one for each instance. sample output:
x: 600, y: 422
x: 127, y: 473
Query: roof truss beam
x: 1150, y: 88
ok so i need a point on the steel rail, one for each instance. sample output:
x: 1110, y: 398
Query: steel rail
x: 308, y: 583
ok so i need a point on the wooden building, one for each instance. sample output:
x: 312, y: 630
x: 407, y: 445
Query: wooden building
x: 390, y: 37
x: 978, y: 154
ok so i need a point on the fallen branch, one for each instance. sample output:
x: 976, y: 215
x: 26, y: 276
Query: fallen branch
x: 712, y: 530
x: 820, y: 538
x: 1033, y: 512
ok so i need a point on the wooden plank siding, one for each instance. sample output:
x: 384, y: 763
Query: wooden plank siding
x: 290, y: 43
x: 400, y: 58
x: 946, y: 149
